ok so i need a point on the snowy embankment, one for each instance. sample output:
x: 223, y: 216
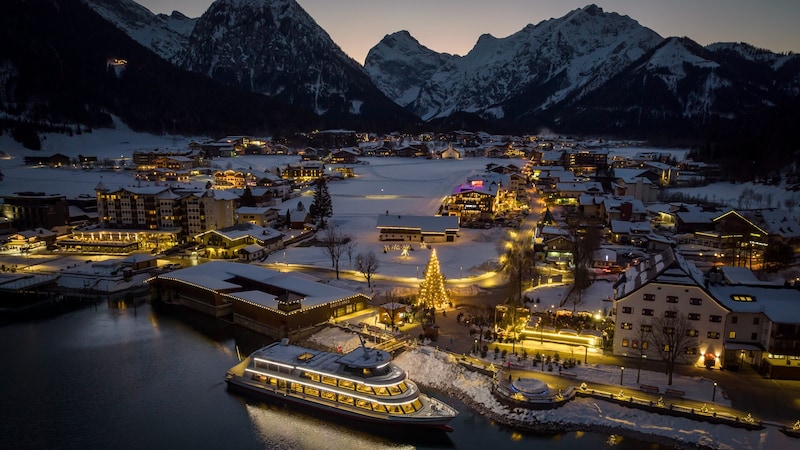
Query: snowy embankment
x: 440, y: 370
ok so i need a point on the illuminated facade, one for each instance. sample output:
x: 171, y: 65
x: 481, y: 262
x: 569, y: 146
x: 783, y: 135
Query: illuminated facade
x: 735, y: 318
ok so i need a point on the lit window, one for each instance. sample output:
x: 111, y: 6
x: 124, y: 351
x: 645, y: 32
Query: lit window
x: 743, y: 298
x: 732, y: 335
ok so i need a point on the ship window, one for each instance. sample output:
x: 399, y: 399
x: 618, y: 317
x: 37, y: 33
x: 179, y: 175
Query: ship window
x: 364, y: 389
x: 297, y: 387
x: 312, y: 391
x: 347, y: 384
x: 381, y: 391
x: 417, y: 404
x: 312, y: 376
x: 329, y: 380
x: 345, y: 399
x: 273, y: 381
x: 378, y: 407
x: 394, y: 409
x: 328, y: 395
x: 408, y: 408
x: 363, y: 404
x: 394, y: 390
x: 403, y: 386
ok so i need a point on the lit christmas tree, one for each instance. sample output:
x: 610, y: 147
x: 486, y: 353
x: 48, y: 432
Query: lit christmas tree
x: 432, y: 293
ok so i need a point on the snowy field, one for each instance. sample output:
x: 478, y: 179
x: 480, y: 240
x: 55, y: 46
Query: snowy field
x: 402, y: 186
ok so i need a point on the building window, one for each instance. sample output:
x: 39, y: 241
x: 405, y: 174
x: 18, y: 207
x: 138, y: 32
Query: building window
x: 670, y: 314
x: 714, y: 318
x: 649, y: 297
x: 753, y: 336
x: 624, y: 342
x: 672, y: 299
x: 627, y: 325
x: 694, y: 316
x: 695, y: 301
x: 627, y: 310
x: 647, y: 328
x: 647, y: 312
x: 645, y: 345
x: 713, y: 335
x: 732, y: 335
x: 669, y: 330
x: 755, y: 320
x: 692, y: 333
x: 743, y: 298
x: 635, y: 343
x: 691, y: 350
x: 734, y: 319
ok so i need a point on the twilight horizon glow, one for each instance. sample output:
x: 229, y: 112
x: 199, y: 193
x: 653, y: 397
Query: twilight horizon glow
x: 454, y: 26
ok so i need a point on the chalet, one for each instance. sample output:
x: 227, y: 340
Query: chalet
x: 473, y: 200
x: 262, y: 216
x: 623, y: 209
x: 449, y: 153
x: 304, y: 171
x: 428, y: 229
x: 233, y: 179
x: 226, y: 243
x: 734, y: 318
x: 344, y: 156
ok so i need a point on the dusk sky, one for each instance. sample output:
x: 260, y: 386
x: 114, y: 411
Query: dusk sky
x: 454, y: 26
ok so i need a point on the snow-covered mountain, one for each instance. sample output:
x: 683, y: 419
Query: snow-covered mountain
x: 165, y: 34
x: 274, y: 47
x: 682, y: 85
x: 548, y: 62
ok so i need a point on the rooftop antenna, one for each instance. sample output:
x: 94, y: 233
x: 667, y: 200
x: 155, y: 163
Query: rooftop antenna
x: 363, y: 345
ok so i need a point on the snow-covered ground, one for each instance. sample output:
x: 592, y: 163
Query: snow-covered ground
x: 439, y: 370
x: 400, y: 186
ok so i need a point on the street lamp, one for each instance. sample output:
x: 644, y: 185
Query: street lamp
x: 639, y: 371
x: 621, y: 373
x: 714, y: 394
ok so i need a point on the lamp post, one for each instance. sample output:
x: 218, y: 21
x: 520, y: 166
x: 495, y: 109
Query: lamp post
x: 476, y: 347
x: 639, y: 370
x: 461, y: 271
x: 621, y: 373
x: 714, y: 394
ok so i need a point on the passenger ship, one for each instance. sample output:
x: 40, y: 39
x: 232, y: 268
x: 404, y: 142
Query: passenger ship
x: 363, y: 384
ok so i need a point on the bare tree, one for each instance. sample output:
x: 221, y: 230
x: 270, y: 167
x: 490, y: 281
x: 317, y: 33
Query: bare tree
x: 367, y: 264
x: 520, y: 266
x: 672, y: 335
x: 350, y: 248
x: 482, y: 316
x: 334, y: 243
x: 585, y: 241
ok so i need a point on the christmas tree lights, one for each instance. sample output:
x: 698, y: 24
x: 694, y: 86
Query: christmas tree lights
x: 432, y: 293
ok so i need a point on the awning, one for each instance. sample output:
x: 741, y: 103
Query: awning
x: 743, y: 346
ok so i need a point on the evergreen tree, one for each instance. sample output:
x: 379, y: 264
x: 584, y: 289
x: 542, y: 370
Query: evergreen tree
x: 321, y: 207
x: 432, y: 293
x: 247, y: 198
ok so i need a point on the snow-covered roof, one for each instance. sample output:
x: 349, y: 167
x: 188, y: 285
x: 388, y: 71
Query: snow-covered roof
x: 625, y: 227
x: 219, y: 275
x: 426, y: 224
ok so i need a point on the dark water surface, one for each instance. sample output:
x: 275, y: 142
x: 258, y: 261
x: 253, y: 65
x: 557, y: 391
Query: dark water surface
x: 145, y: 378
